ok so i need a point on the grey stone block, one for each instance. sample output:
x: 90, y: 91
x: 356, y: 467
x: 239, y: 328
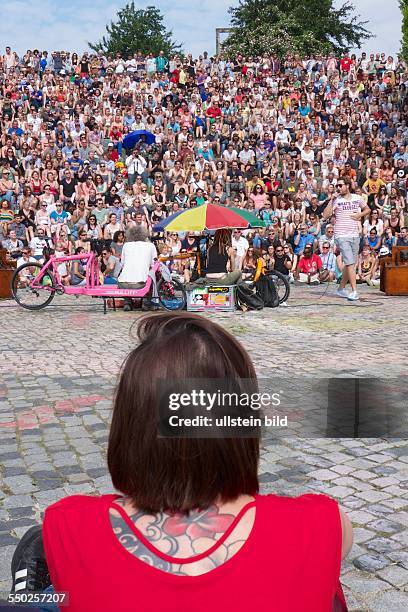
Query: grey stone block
x: 371, y: 563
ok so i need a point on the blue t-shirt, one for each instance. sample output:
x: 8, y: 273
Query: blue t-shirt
x: 303, y: 241
x: 75, y: 164
x: 59, y: 217
x: 17, y: 131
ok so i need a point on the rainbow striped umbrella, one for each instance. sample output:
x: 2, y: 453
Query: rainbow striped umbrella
x: 209, y: 217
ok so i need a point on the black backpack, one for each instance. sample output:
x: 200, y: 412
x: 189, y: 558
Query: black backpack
x: 266, y: 290
x: 247, y: 297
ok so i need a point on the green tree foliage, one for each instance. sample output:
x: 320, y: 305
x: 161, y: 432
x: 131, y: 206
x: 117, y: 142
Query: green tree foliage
x: 137, y: 30
x: 404, y: 46
x: 294, y: 26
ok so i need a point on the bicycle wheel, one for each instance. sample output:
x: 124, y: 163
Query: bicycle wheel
x: 281, y: 283
x: 26, y: 296
x: 171, y: 294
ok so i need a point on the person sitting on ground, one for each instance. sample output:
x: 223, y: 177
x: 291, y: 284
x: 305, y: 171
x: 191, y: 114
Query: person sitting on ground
x: 373, y: 240
x: 137, y: 258
x: 250, y: 263
x: 283, y: 262
x: 367, y: 266
x: 186, y: 522
x: 309, y: 266
x: 221, y: 260
x: 328, y: 258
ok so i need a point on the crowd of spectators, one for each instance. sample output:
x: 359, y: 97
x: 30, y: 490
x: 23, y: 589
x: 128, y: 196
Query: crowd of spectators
x: 269, y: 135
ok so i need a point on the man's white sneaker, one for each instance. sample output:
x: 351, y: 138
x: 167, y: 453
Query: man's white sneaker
x: 342, y: 293
x: 353, y: 296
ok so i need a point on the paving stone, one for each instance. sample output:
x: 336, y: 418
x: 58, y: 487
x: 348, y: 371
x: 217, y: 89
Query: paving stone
x: 52, y: 494
x: 362, y: 585
x: 78, y: 478
x: 391, y: 601
x: 6, y: 540
x: 339, y: 492
x: 19, y: 484
x: 14, y: 471
x: 384, y: 481
x: 79, y: 489
x: 323, y: 475
x: 16, y: 513
x: 13, y: 463
x: 45, y: 474
x: 265, y: 477
x: 342, y: 469
x: 396, y: 503
x: 6, y: 554
x: 385, y: 526
x: 402, y: 451
x: 383, y: 545
x: 361, y: 535
x: 7, y: 456
x: 16, y: 501
x: 400, y: 557
x: 354, y: 503
x: 397, y: 576
x: 401, y: 538
x: 99, y: 472
x: 371, y: 563
x: 373, y: 496
x: 360, y: 517
x: 65, y: 470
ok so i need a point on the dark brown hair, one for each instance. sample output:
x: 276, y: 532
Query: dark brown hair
x: 177, y: 474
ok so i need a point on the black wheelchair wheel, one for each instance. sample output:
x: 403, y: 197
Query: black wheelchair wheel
x: 171, y: 294
x: 281, y: 283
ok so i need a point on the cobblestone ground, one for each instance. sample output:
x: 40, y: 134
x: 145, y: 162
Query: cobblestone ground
x: 58, y: 368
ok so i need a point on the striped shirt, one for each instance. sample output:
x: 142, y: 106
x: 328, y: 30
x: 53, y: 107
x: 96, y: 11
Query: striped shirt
x: 343, y: 209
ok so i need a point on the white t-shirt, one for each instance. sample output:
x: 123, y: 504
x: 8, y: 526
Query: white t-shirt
x: 241, y: 245
x: 343, y: 208
x: 379, y: 226
x: 137, y: 259
x: 37, y: 244
x: 21, y: 261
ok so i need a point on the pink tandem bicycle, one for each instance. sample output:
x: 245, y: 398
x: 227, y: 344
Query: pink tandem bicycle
x: 34, y: 284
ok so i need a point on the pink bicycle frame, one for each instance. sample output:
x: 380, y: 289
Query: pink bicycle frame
x: 92, y: 287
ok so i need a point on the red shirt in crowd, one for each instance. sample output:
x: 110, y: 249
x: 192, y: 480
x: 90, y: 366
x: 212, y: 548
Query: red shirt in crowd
x: 213, y: 112
x: 309, y: 265
x: 290, y: 561
x: 345, y: 64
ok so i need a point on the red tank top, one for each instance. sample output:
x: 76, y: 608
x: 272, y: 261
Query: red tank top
x: 290, y: 562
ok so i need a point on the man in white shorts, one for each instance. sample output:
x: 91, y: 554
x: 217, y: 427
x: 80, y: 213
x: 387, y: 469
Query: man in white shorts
x: 348, y: 208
